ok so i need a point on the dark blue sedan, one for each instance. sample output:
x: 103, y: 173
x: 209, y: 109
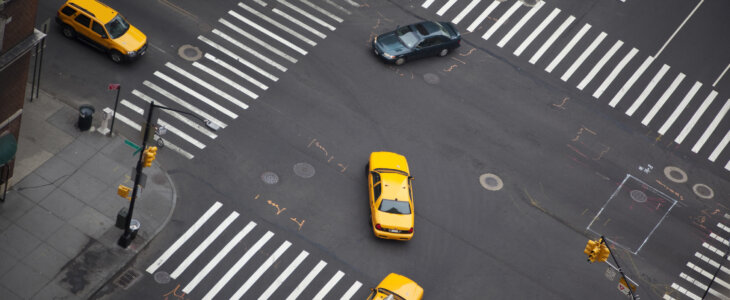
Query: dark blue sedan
x: 416, y: 41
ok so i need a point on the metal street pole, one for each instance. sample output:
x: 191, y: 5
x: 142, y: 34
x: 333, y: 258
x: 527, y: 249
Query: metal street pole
x: 118, y: 87
x: 633, y: 296
x: 129, y: 234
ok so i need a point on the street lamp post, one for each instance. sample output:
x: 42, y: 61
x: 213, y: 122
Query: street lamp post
x: 129, y: 232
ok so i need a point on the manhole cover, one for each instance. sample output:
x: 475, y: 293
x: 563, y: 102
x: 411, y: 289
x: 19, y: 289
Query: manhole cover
x: 703, y: 191
x: 675, y: 174
x: 162, y: 277
x: 304, y: 170
x: 431, y: 78
x: 270, y: 177
x: 491, y: 182
x: 189, y: 52
x: 638, y: 196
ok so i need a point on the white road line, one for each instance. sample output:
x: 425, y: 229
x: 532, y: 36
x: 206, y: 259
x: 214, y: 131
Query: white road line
x: 257, y: 40
x: 719, y: 239
x: 446, y: 7
x: 300, y: 23
x: 329, y: 285
x: 124, y: 119
x: 647, y: 90
x: 284, y: 275
x: 260, y: 271
x: 619, y: 67
x: 680, y: 108
x: 351, y: 291
x: 568, y: 47
x: 427, y: 3
x: 711, y: 262
x: 181, y: 134
x: 663, y: 99
x: 721, y: 74
x: 685, y: 292
x: 174, y: 147
x: 723, y: 227
x: 340, y: 7
x: 267, y: 32
x: 501, y: 20
x: 465, y: 12
x: 249, y: 50
x: 238, y: 58
x: 714, y: 250
x: 229, y: 82
x: 727, y: 165
x: 137, y: 127
x: 322, y: 11
x: 133, y: 107
x: 195, y: 94
x: 303, y: 13
x: 600, y: 65
x: 218, y: 257
x: 536, y: 32
x: 667, y: 297
x: 236, y: 71
x: 627, y: 85
x: 583, y: 56
x: 176, y: 115
x: 306, y: 281
x: 259, y: 2
x: 237, y: 266
x: 710, y: 129
x: 551, y: 40
x: 709, y: 276
x: 277, y: 24
x: 182, y: 102
x: 483, y: 16
x: 183, y: 238
x: 678, y: 28
x: 519, y: 24
x: 208, y: 240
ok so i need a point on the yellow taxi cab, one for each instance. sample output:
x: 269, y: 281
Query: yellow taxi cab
x: 390, y: 196
x: 103, y: 28
x: 396, y: 287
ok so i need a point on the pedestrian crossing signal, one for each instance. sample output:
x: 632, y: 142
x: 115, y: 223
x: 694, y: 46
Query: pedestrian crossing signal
x: 123, y: 191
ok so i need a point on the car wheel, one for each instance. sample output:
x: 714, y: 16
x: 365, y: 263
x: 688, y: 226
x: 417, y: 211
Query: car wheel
x: 115, y: 56
x: 68, y: 32
x: 400, y: 61
x: 444, y: 52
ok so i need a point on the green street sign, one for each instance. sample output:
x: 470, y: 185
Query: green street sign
x: 134, y: 146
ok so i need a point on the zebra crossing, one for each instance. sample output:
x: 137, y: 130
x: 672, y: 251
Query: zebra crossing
x: 229, y: 263
x: 702, y: 268
x: 242, y: 56
x: 660, y: 101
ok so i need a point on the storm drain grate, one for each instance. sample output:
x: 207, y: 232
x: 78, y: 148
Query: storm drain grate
x: 270, y: 177
x: 129, y: 277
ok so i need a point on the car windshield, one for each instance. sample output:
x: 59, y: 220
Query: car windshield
x: 387, y: 292
x: 117, y: 26
x: 395, y: 207
x: 407, y: 36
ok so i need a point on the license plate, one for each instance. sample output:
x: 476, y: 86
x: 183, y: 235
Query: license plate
x: 393, y: 230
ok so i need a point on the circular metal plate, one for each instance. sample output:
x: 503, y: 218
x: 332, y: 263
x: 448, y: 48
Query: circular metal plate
x: 703, y: 191
x: 270, y: 177
x: 431, y: 78
x: 162, y: 277
x: 304, y: 170
x: 638, y: 196
x: 675, y: 174
x: 491, y: 182
x: 189, y: 52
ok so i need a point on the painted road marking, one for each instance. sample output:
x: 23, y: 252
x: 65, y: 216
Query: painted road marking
x: 647, y: 90
x: 710, y: 129
x: 133, y: 107
x: 300, y: 23
x: 208, y: 240
x: 181, y: 134
x: 680, y: 108
x: 257, y: 274
x: 306, y: 281
x: 236, y: 71
x: 709, y: 276
x: 583, y: 56
x: 600, y: 64
x: 237, y: 58
x: 229, y: 82
x: 351, y: 291
x: 711, y: 262
x: 178, y: 116
x: 183, y: 238
x: 536, y: 32
x: 427, y: 3
x: 465, y: 12
x: 663, y: 99
x: 124, y: 119
x: 568, y: 47
x: 713, y: 249
x: 277, y: 24
x: 483, y: 15
x: 685, y: 292
x: 721, y: 74
x: 719, y: 239
x: 678, y: 28
x: 445, y: 7
x: 616, y: 70
x: 627, y: 85
x: 195, y: 94
x: 257, y: 40
x: 249, y: 50
x: 721, y: 146
x: 323, y: 11
x: 501, y: 20
x: 137, y: 127
x: 267, y: 32
x: 237, y: 266
x: 283, y: 276
x: 218, y: 257
x: 303, y: 13
x: 551, y: 39
x: 329, y: 285
x: 519, y: 24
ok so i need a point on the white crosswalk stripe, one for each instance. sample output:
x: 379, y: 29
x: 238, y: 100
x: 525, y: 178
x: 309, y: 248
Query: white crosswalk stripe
x: 176, y: 115
x: 647, y: 90
x: 265, y: 266
x: 502, y: 20
x: 328, y: 286
x: 583, y: 57
x: 322, y: 11
x: 249, y: 50
x: 306, y: 281
x: 446, y: 7
x: 568, y: 47
x: 696, y: 116
x: 549, y: 42
x: 208, y: 240
x: 663, y: 99
x: 616, y: 70
x: 300, y: 23
x: 629, y: 83
x: 183, y: 103
x: 238, y: 58
x: 284, y: 275
x: 257, y: 40
x: 465, y: 12
x: 307, y: 15
x: 710, y: 129
x: 536, y: 32
x: 238, y: 72
x: 680, y: 108
x: 483, y: 16
x: 193, y: 93
x: 267, y: 32
x: 519, y: 24
x: 279, y: 25
x: 599, y: 65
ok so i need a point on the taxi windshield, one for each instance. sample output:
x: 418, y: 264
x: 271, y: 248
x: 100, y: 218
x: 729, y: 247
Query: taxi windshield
x: 117, y: 26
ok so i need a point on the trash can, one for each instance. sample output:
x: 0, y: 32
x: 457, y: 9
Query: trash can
x: 86, y: 113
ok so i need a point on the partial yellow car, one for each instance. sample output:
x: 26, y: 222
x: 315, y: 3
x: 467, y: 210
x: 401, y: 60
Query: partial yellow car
x: 396, y: 287
x: 103, y: 28
x: 390, y: 196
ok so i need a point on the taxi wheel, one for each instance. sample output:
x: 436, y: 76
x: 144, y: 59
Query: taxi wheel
x: 400, y: 61
x: 68, y: 32
x: 444, y: 52
x: 115, y: 56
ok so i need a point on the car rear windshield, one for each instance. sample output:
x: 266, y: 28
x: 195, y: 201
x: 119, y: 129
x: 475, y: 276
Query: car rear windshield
x: 117, y: 26
x: 407, y: 36
x: 395, y: 207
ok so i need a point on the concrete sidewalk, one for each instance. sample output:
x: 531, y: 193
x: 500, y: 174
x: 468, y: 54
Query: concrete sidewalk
x: 58, y: 238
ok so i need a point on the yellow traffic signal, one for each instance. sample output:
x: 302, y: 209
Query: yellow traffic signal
x: 149, y: 155
x: 592, y: 249
x: 603, y: 253
x: 123, y: 191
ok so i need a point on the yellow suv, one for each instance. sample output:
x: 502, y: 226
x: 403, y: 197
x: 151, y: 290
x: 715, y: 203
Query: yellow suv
x: 102, y: 27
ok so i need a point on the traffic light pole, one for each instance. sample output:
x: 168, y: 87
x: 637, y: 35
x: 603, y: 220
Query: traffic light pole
x: 129, y: 234
x: 631, y: 292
